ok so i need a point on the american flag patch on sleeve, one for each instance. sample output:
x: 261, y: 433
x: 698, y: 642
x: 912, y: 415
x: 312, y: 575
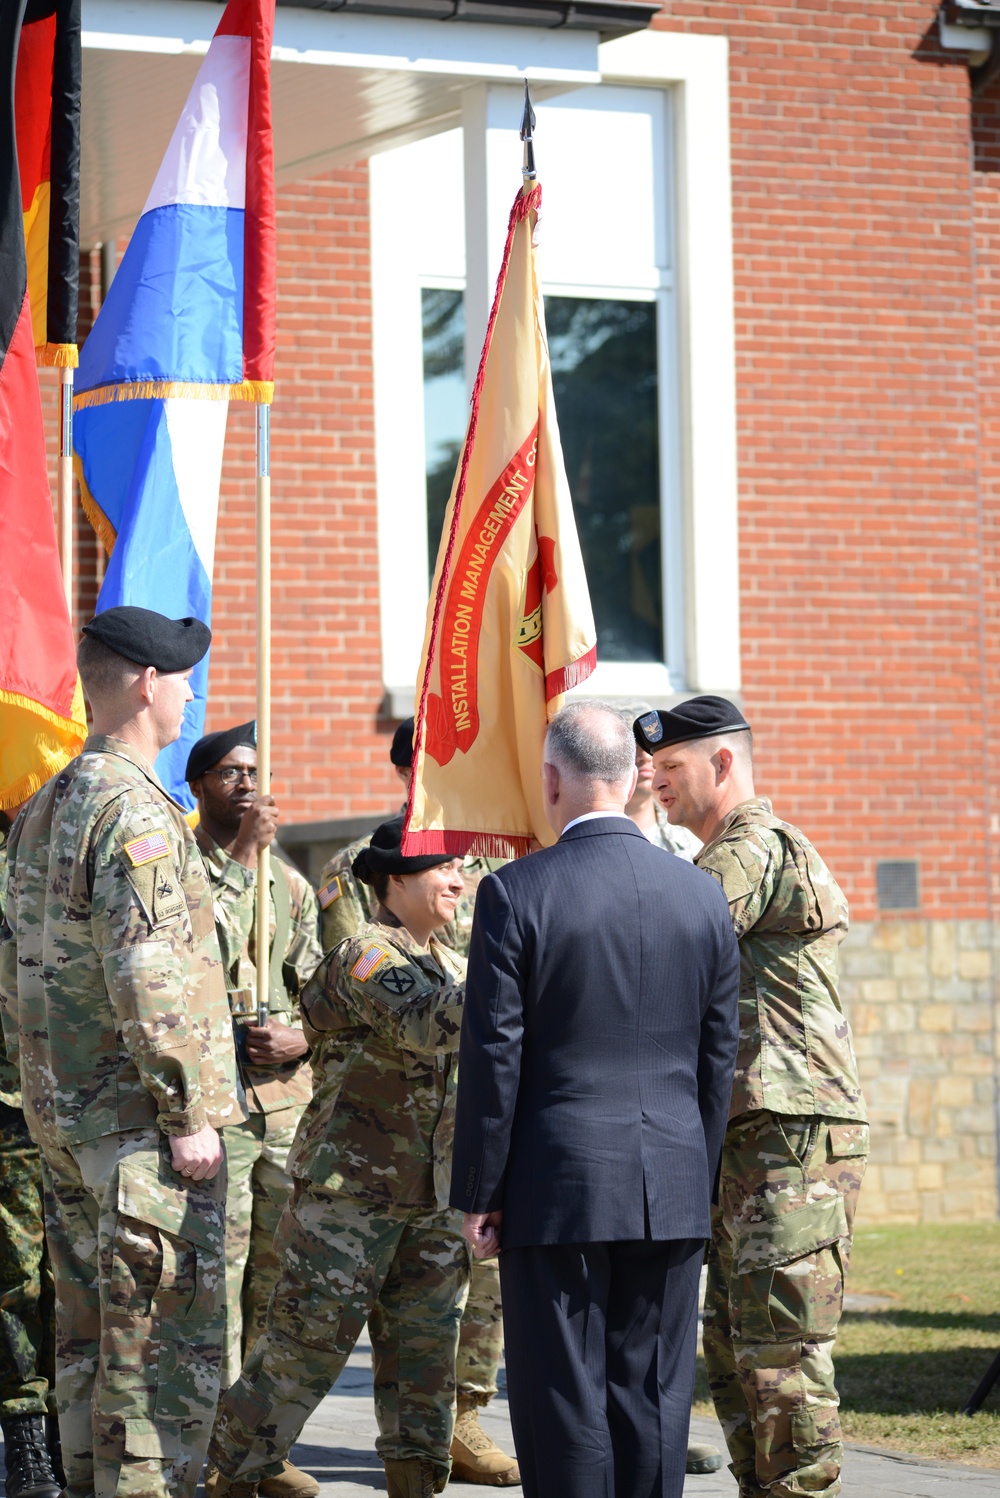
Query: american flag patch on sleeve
x: 145, y: 849
x: 329, y: 893
x: 370, y: 959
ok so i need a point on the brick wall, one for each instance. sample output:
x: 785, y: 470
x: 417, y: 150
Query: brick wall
x: 864, y: 383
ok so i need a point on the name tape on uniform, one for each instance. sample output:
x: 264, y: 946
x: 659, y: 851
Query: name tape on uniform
x: 145, y: 849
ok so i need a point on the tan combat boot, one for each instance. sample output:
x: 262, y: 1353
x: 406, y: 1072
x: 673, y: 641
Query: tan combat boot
x: 413, y: 1478
x: 474, y: 1457
x: 289, y: 1483
x: 217, y: 1486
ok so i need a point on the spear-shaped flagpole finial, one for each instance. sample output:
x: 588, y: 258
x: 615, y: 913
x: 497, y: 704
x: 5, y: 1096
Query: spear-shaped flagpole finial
x: 527, y: 129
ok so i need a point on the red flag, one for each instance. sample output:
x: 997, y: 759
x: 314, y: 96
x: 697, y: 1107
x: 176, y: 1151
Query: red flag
x: 47, y: 115
x: 42, y: 723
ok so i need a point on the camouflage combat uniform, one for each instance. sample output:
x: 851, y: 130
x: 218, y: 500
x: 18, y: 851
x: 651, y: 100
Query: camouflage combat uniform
x: 27, y: 1302
x: 257, y: 1149
x: 368, y: 1234
x: 792, y: 1164
x: 676, y: 840
x: 346, y: 905
x: 115, y: 1006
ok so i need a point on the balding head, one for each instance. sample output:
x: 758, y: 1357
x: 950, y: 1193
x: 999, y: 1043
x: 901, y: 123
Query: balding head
x: 589, y: 762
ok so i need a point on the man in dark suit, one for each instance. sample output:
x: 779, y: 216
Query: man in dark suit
x: 597, y: 1058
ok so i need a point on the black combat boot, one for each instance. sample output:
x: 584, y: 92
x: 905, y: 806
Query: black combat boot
x: 29, y: 1466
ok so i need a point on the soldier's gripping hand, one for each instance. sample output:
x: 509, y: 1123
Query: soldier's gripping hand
x: 273, y: 1044
x: 258, y: 825
x: 197, y: 1157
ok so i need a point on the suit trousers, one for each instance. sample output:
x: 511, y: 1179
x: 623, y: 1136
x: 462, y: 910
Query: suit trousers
x: 600, y: 1346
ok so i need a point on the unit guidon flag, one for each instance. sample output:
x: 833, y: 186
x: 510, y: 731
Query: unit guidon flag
x: 510, y: 625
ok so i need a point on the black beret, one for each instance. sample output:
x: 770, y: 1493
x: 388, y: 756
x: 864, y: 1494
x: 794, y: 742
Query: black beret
x: 384, y: 854
x: 401, y: 752
x: 215, y: 746
x: 151, y: 639
x: 698, y: 718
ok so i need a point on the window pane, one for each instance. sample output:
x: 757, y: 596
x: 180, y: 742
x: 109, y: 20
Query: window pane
x: 446, y: 406
x: 605, y: 381
x: 604, y: 376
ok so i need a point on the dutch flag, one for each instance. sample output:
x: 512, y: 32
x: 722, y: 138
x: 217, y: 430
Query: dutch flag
x: 188, y: 325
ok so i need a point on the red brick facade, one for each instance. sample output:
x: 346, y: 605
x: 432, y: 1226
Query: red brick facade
x: 867, y: 226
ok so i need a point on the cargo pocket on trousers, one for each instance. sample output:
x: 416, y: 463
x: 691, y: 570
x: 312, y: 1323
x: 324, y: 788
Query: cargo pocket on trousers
x: 788, y: 1279
x: 158, y: 1441
x: 168, y: 1245
x: 245, y: 1411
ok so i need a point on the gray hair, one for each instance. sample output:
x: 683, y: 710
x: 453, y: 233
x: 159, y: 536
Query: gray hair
x: 591, y: 741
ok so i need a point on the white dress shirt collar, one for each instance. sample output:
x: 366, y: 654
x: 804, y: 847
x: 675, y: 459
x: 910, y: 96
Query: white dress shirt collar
x: 591, y: 816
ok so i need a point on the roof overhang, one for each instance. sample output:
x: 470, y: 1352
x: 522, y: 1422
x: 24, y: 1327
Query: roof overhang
x: 348, y: 78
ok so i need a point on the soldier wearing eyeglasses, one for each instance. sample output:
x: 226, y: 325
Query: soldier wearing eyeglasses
x: 235, y: 822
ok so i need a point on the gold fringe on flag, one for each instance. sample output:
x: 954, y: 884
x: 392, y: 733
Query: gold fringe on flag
x: 106, y: 533
x: 35, y: 743
x: 260, y: 391
x: 57, y: 356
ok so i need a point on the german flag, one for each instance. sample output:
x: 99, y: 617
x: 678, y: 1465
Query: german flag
x: 42, y: 723
x: 47, y: 115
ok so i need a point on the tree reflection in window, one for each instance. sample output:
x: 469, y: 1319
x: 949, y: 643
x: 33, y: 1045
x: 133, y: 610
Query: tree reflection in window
x: 604, y: 375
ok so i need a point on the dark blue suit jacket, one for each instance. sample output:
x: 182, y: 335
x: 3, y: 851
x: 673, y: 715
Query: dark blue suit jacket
x: 598, y: 1043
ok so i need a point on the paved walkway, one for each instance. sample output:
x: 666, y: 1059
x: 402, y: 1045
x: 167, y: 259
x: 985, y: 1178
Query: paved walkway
x: 338, y: 1449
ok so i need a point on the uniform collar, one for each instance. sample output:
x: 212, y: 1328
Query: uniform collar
x: 400, y: 937
x: 105, y: 743
x: 743, y: 815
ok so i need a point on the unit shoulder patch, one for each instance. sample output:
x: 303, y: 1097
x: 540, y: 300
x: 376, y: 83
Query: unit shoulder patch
x: 369, y: 962
x: 397, y: 980
x: 145, y: 849
x: 330, y: 892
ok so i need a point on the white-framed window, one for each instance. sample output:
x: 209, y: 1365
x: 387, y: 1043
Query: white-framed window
x: 612, y: 163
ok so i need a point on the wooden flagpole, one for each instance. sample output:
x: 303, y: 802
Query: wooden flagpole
x: 263, y: 916
x: 65, y: 484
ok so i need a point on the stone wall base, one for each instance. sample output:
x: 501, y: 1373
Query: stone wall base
x: 921, y: 999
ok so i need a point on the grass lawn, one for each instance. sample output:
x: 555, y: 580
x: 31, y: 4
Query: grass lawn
x: 904, y: 1372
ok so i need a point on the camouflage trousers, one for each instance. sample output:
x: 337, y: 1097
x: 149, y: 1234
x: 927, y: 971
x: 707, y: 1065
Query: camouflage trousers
x: 346, y: 1261
x: 137, y: 1257
x: 781, y: 1239
x: 480, y: 1338
x: 258, y: 1189
x: 27, y: 1303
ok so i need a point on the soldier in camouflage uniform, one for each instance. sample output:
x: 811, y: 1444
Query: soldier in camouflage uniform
x: 273, y: 1059
x: 114, y: 1005
x: 368, y: 1234
x: 27, y: 1302
x: 797, y: 1142
x: 347, y: 905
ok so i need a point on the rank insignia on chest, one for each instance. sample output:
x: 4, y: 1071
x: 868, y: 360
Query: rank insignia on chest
x: 397, y: 980
x: 329, y: 893
x: 370, y: 959
x: 144, y: 849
